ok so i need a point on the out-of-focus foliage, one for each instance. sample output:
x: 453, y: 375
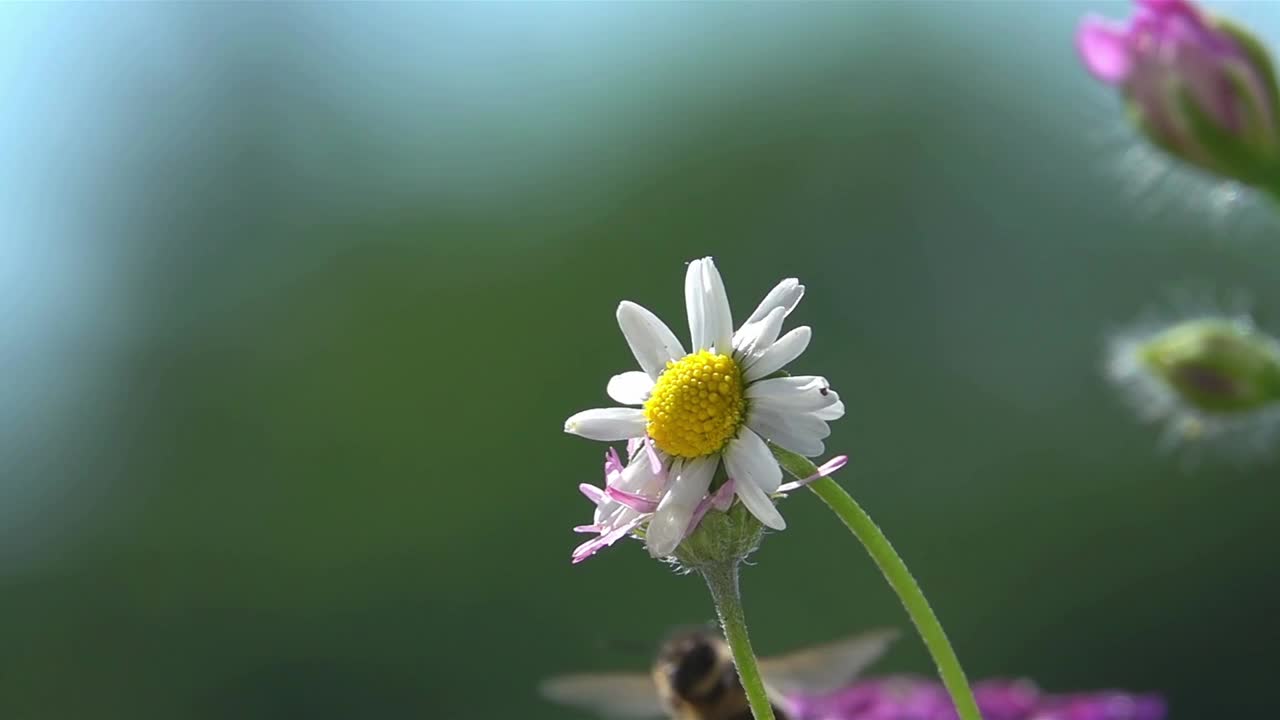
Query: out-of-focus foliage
x: 294, y: 299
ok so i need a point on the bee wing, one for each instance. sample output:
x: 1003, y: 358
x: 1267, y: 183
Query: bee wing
x: 611, y: 695
x: 824, y: 668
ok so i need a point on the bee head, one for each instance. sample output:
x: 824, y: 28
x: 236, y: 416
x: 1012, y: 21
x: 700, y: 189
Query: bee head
x: 692, y: 661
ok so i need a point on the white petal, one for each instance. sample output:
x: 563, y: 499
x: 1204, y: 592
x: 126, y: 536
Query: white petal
x: 650, y: 340
x: 719, y: 314
x: 693, y: 306
x: 638, y: 477
x: 614, y: 515
x: 787, y: 348
x: 748, y: 459
x: 630, y: 388
x: 759, y: 504
x: 820, y: 408
x: 607, y: 424
x: 689, y: 484
x: 803, y: 393
x: 834, y: 412
x: 785, y: 388
x: 654, y: 483
x: 710, y: 321
x: 798, y: 432
x: 785, y: 295
x: 754, y: 339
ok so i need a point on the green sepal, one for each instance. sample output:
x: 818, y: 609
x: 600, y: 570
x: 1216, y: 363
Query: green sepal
x: 1225, y: 152
x: 720, y: 538
x: 1257, y: 55
x: 1144, y: 125
x: 1217, y: 366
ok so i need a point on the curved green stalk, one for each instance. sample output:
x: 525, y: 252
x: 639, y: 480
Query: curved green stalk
x: 722, y: 580
x: 895, y: 571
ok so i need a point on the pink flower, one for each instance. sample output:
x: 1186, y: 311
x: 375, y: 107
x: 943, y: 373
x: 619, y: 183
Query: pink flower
x: 1201, y: 89
x: 911, y: 698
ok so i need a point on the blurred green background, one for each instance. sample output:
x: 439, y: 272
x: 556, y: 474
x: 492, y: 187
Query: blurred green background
x: 294, y: 300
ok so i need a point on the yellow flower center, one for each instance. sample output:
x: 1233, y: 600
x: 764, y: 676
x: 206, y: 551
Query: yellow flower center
x: 696, y: 405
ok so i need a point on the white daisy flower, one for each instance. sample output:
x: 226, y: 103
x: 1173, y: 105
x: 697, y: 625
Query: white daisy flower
x: 715, y: 402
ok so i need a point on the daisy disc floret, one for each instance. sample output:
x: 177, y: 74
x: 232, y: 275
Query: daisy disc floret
x: 696, y: 405
x: 717, y: 401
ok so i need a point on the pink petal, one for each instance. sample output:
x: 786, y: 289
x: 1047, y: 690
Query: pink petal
x: 831, y: 466
x: 1104, y: 48
x: 587, y: 529
x: 594, y: 545
x: 593, y: 493
x: 612, y: 467
x: 1180, y: 8
x: 639, y: 503
x: 722, y: 498
x: 587, y: 549
x: 824, y: 470
x: 698, y: 514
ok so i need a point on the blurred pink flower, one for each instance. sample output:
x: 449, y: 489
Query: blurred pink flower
x: 910, y: 698
x: 1170, y: 55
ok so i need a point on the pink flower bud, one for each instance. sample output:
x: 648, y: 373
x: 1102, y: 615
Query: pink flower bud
x: 1199, y: 87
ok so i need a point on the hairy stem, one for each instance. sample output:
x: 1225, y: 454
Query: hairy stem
x: 722, y: 580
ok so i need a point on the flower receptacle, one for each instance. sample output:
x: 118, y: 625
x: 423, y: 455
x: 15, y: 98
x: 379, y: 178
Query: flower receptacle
x: 721, y: 538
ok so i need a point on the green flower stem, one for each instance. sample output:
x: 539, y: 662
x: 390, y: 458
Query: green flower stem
x: 722, y: 580
x: 895, y: 571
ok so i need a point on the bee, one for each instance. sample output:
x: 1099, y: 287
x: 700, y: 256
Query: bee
x: 693, y: 678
